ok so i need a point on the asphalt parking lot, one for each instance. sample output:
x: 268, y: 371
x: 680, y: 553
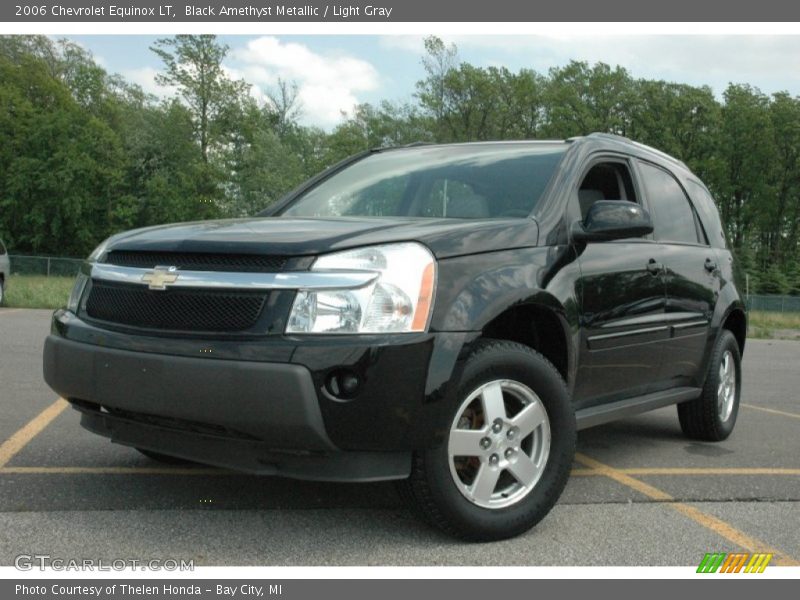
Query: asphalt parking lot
x: 640, y: 494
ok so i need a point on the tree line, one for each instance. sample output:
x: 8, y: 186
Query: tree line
x: 85, y: 153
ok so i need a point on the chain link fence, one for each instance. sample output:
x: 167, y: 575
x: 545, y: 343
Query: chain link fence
x: 48, y: 266
x: 773, y: 303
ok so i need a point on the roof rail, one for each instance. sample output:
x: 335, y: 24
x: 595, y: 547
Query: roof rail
x: 399, y: 146
x: 611, y: 136
x: 656, y: 151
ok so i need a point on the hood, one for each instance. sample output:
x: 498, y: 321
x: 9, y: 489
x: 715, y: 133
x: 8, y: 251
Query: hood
x: 311, y: 236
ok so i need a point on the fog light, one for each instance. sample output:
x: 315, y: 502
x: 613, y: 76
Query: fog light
x: 343, y: 384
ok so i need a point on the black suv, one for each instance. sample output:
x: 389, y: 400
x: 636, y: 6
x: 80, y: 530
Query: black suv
x: 442, y: 315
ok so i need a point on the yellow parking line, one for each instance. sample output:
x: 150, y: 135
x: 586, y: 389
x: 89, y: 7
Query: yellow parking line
x: 7, y: 311
x: 772, y: 411
x: 35, y: 426
x: 583, y: 472
x: 709, y: 471
x: 716, y: 525
x: 114, y: 471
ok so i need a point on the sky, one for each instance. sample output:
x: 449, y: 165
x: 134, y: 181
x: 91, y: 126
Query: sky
x: 336, y: 72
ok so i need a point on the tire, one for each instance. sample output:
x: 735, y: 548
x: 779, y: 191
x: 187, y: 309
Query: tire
x: 2, y: 291
x: 164, y: 458
x: 455, y: 493
x: 712, y: 416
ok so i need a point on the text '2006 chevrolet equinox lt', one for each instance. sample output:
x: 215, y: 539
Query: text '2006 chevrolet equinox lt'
x: 446, y: 316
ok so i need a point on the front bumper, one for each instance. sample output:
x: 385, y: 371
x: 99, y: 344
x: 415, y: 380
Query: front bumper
x: 257, y: 405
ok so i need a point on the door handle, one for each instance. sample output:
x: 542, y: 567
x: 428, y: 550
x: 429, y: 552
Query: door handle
x: 710, y: 265
x: 653, y: 267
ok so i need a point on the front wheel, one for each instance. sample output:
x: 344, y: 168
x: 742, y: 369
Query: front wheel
x: 508, y: 452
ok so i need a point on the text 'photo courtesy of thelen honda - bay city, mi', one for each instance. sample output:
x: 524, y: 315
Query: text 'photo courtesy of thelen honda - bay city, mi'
x: 441, y: 315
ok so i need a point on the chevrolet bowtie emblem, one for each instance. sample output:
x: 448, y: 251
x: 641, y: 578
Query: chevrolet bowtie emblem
x: 160, y: 277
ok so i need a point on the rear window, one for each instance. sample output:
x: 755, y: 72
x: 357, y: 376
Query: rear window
x: 709, y: 213
x: 673, y: 215
x: 466, y: 182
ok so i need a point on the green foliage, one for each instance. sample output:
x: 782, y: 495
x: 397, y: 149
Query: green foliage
x: 773, y: 281
x: 86, y: 154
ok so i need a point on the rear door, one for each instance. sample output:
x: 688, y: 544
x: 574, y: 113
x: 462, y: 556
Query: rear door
x: 691, y: 274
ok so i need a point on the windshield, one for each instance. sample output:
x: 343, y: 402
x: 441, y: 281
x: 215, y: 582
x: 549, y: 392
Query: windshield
x: 466, y: 182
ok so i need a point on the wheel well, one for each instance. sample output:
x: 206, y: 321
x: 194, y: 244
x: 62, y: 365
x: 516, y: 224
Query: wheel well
x: 537, y: 327
x: 736, y: 323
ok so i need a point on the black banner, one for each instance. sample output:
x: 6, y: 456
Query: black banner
x: 73, y: 589
x: 382, y: 11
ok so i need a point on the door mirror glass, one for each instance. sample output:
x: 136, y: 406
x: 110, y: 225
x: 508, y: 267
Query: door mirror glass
x: 613, y: 220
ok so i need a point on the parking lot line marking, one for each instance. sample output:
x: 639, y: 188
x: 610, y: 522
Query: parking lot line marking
x: 620, y: 477
x: 772, y: 411
x: 34, y: 427
x: 578, y: 472
x: 716, y: 525
x: 114, y: 471
x: 7, y: 311
x: 708, y: 471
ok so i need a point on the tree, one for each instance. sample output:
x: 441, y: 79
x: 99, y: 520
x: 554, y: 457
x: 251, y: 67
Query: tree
x: 583, y: 99
x: 439, y: 59
x: 193, y: 65
x: 744, y: 181
x: 285, y: 103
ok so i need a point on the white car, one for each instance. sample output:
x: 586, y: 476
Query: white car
x: 5, y: 269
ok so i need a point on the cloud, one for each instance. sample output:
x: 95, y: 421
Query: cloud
x: 328, y: 84
x: 762, y: 60
x: 145, y: 77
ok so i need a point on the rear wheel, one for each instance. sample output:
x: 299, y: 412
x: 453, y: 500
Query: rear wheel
x: 2, y: 291
x: 712, y: 416
x: 508, y: 452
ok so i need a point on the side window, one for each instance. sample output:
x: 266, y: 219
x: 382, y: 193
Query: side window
x: 605, y: 181
x: 673, y: 216
x: 2, y: 248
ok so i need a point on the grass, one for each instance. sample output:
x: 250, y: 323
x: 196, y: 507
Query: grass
x: 37, y: 291
x: 774, y: 325
x: 774, y: 320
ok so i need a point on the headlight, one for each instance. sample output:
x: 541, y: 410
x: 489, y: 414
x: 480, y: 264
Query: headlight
x: 82, y: 279
x: 399, y: 300
x: 77, y: 291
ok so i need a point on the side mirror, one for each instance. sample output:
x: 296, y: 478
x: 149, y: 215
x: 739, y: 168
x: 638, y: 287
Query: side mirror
x: 613, y: 220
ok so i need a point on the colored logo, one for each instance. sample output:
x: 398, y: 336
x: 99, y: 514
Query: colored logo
x: 160, y: 277
x: 720, y: 562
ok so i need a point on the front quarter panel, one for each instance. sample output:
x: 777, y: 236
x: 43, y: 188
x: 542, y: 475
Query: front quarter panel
x: 474, y: 290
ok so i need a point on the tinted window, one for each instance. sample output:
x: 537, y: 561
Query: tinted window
x: 673, y: 216
x: 468, y: 182
x: 708, y: 208
x: 2, y: 248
